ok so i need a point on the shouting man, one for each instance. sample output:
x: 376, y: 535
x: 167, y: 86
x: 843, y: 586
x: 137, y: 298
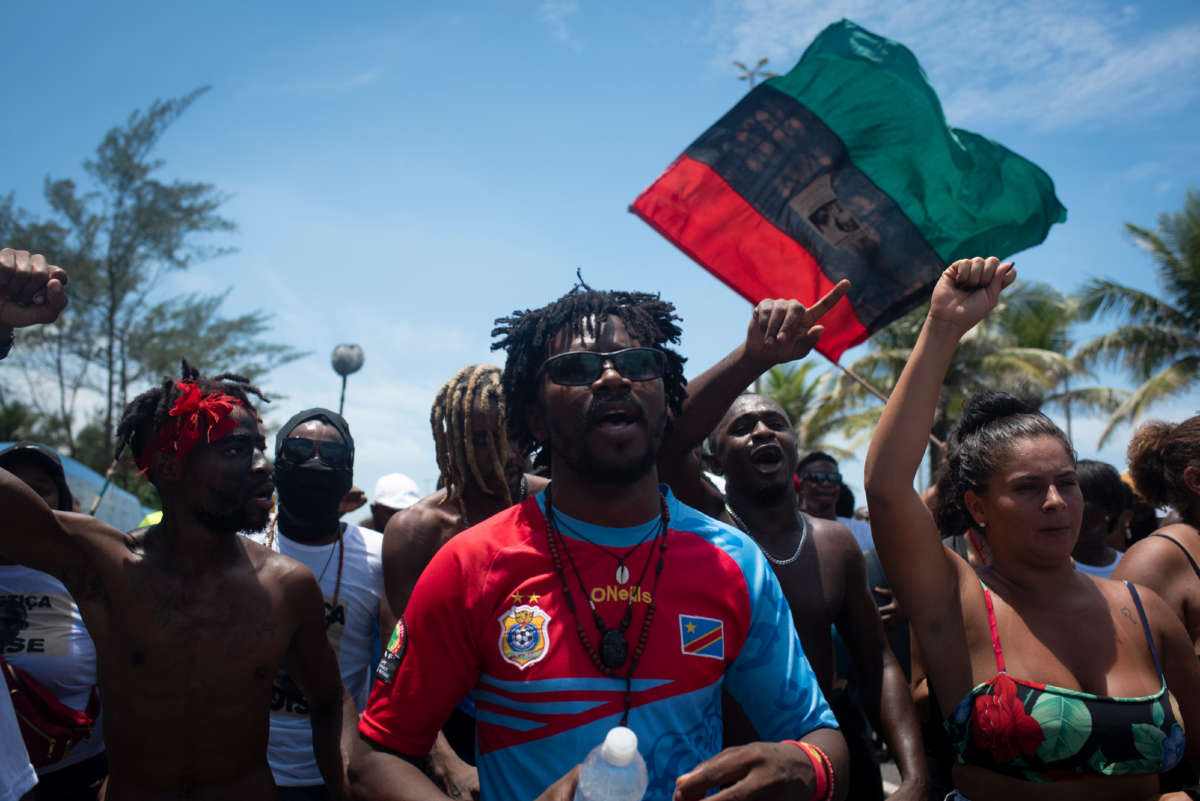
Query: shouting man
x: 600, y: 601
x: 191, y: 622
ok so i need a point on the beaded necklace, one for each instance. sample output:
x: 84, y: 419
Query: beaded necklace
x: 613, y: 646
x: 622, y: 573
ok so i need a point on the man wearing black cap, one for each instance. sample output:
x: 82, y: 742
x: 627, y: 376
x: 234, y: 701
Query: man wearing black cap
x: 41, y: 468
x: 314, y: 468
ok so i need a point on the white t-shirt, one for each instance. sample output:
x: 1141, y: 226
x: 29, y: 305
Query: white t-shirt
x: 353, y: 631
x: 51, y: 644
x: 1103, y: 571
x: 17, y: 776
x: 861, y: 530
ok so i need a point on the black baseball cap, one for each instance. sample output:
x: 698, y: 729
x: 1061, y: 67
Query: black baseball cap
x: 48, y: 458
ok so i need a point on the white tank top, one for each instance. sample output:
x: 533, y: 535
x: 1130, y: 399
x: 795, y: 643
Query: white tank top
x: 353, y: 631
x: 16, y: 774
x: 44, y: 635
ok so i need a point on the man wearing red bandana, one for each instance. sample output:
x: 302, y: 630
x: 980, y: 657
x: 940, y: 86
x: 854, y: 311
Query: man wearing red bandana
x: 191, y: 622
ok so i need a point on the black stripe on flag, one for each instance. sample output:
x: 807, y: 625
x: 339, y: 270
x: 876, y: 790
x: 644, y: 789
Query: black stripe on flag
x: 796, y: 172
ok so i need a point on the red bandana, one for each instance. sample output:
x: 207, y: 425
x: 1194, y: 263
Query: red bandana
x: 198, y: 418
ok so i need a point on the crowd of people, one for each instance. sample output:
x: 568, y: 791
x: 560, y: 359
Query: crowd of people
x: 608, y: 544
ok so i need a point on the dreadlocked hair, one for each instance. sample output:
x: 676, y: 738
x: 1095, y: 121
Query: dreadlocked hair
x: 151, y: 410
x: 453, y: 433
x: 527, y: 336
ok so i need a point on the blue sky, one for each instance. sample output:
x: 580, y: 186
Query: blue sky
x: 401, y: 174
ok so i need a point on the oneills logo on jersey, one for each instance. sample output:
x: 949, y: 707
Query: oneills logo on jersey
x: 393, y: 655
x: 702, y: 636
x: 524, y: 635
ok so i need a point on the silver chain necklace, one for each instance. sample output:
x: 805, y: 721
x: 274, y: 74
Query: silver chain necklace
x: 801, y: 519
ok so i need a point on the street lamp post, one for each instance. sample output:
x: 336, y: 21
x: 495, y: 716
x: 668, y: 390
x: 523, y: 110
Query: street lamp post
x: 346, y: 359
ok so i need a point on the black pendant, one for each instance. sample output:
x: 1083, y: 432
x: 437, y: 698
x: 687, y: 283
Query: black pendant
x: 613, y: 649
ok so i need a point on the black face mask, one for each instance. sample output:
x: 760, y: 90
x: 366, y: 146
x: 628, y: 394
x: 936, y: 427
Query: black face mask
x: 309, y: 496
x: 311, y: 491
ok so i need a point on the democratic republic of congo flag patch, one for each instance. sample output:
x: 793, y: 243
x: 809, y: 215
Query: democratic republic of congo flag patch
x: 845, y: 167
x: 702, y: 636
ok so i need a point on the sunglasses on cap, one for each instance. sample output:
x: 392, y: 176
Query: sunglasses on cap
x: 579, y: 368
x: 300, y: 449
x: 821, y: 477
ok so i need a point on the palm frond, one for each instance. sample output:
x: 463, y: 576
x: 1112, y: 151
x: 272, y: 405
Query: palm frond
x: 1102, y: 297
x: 1088, y: 399
x: 1141, y: 349
x: 1173, y: 380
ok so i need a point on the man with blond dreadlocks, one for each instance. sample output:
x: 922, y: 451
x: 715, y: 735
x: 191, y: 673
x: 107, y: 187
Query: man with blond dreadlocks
x: 480, y: 475
x: 191, y: 622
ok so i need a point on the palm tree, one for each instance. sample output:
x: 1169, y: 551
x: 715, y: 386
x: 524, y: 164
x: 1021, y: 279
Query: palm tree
x: 1037, y: 316
x: 1159, y: 344
x: 1020, y: 348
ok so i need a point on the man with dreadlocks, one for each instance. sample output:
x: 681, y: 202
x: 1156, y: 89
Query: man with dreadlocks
x: 480, y: 474
x: 602, y: 600
x: 190, y: 621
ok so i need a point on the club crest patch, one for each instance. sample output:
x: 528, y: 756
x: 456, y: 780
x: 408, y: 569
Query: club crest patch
x: 524, y: 635
x: 702, y: 636
x: 393, y: 655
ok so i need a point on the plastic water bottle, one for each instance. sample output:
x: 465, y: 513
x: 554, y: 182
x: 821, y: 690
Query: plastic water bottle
x: 614, y: 770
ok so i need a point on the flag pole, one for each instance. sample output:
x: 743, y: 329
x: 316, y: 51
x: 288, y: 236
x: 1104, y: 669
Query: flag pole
x: 108, y: 474
x: 871, y: 388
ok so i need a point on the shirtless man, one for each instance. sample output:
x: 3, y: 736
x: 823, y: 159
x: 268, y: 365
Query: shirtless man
x: 191, y: 622
x: 822, y: 572
x: 480, y: 474
x: 826, y: 582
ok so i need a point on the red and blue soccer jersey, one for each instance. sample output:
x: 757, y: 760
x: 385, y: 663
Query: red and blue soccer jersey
x: 488, y: 618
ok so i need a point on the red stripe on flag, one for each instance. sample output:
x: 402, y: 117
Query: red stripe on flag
x: 704, y: 640
x: 693, y: 207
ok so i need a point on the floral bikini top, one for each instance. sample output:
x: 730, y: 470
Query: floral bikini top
x: 1042, y: 733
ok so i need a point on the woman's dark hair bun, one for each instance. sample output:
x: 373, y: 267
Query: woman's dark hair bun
x: 986, y: 407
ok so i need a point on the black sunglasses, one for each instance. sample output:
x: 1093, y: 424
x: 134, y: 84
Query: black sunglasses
x: 301, y: 449
x: 819, y: 477
x: 582, y: 367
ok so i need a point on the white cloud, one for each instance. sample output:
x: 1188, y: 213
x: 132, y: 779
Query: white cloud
x: 556, y: 14
x: 1054, y: 65
x: 316, y: 85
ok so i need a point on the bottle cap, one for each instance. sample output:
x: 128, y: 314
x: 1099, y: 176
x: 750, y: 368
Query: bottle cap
x: 620, y: 746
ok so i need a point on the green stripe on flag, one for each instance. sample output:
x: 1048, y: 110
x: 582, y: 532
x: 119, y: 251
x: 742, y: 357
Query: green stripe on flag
x: 968, y: 195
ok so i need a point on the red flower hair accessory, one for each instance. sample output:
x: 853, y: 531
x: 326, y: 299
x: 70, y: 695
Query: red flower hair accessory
x: 197, y: 418
x: 1001, y: 725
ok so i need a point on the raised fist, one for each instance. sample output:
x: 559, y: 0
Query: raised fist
x: 31, y: 291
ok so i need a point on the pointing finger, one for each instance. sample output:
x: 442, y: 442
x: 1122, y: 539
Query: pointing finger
x: 829, y: 300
